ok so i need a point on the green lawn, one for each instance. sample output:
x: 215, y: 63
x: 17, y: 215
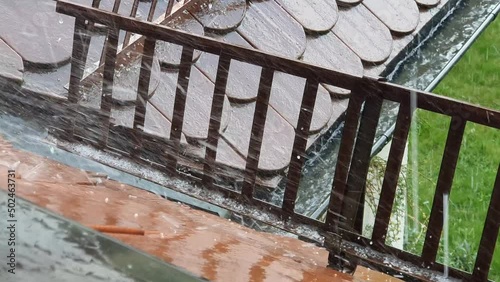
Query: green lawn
x: 475, y: 79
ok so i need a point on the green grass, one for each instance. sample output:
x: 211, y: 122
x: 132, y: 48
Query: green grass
x: 475, y: 79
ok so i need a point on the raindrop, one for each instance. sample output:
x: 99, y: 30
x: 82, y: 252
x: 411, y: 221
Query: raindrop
x: 61, y: 21
x: 106, y: 200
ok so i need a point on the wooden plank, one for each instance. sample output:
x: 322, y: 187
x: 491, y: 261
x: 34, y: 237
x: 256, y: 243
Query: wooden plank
x: 299, y: 145
x: 215, y: 117
x: 256, y: 57
x: 108, y: 77
x: 77, y: 68
x: 77, y: 63
x: 170, y: 5
x: 344, y: 158
x: 179, y: 105
x: 360, y: 163
x: 133, y: 13
x: 490, y: 235
x: 392, y: 171
x: 444, y: 183
x: 259, y: 120
x: 152, y: 9
x: 143, y: 92
x: 116, y: 6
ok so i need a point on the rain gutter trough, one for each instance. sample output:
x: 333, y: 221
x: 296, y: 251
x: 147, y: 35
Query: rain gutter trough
x: 387, y: 135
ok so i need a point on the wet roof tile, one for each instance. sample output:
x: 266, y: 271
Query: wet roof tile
x: 338, y: 37
x: 11, y: 64
x: 222, y: 15
x: 243, y: 79
x: 348, y: 2
x: 227, y: 156
x: 270, y: 28
x: 274, y: 156
x: 339, y: 106
x: 428, y: 3
x: 286, y: 97
x: 170, y: 54
x: 329, y: 51
x: 313, y: 15
x: 198, y: 102
x: 36, y: 33
x: 400, y: 16
x: 127, y: 78
x: 364, y: 33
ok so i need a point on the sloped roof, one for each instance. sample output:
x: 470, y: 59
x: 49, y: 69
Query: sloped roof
x: 353, y: 36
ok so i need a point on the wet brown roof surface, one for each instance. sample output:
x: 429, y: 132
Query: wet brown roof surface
x: 354, y: 36
x: 202, y: 243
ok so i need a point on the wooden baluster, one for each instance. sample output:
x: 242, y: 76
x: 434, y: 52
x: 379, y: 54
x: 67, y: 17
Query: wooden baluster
x: 108, y: 77
x: 299, y: 145
x: 133, y: 13
x: 444, y: 183
x: 116, y: 6
x: 489, y: 236
x: 391, y: 176
x: 80, y: 36
x: 143, y: 92
x: 259, y: 121
x: 90, y: 26
x: 215, y: 117
x: 356, y: 182
x: 170, y: 6
x: 344, y: 157
x: 179, y: 106
x: 152, y: 9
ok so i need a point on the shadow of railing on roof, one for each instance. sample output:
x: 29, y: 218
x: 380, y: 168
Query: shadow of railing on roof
x: 340, y: 229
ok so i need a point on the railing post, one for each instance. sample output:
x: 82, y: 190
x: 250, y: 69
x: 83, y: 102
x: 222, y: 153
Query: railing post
x: 107, y: 82
x: 133, y: 13
x: 444, y: 183
x: 344, y: 157
x: 215, y: 118
x: 179, y: 107
x: 78, y: 60
x: 358, y: 172
x: 259, y: 121
x: 489, y: 236
x: 392, y: 172
x: 80, y: 37
x: 143, y: 93
x: 299, y: 145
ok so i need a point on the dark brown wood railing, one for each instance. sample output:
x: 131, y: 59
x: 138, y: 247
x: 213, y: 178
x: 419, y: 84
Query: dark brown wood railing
x: 340, y: 236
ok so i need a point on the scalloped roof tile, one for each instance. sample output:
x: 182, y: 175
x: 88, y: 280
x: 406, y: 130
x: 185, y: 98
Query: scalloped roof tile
x: 354, y: 36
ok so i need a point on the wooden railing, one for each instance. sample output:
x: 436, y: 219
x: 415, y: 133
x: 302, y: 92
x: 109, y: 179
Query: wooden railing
x: 352, y: 173
x: 340, y: 235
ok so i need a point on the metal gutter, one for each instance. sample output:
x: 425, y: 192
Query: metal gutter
x: 387, y: 136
